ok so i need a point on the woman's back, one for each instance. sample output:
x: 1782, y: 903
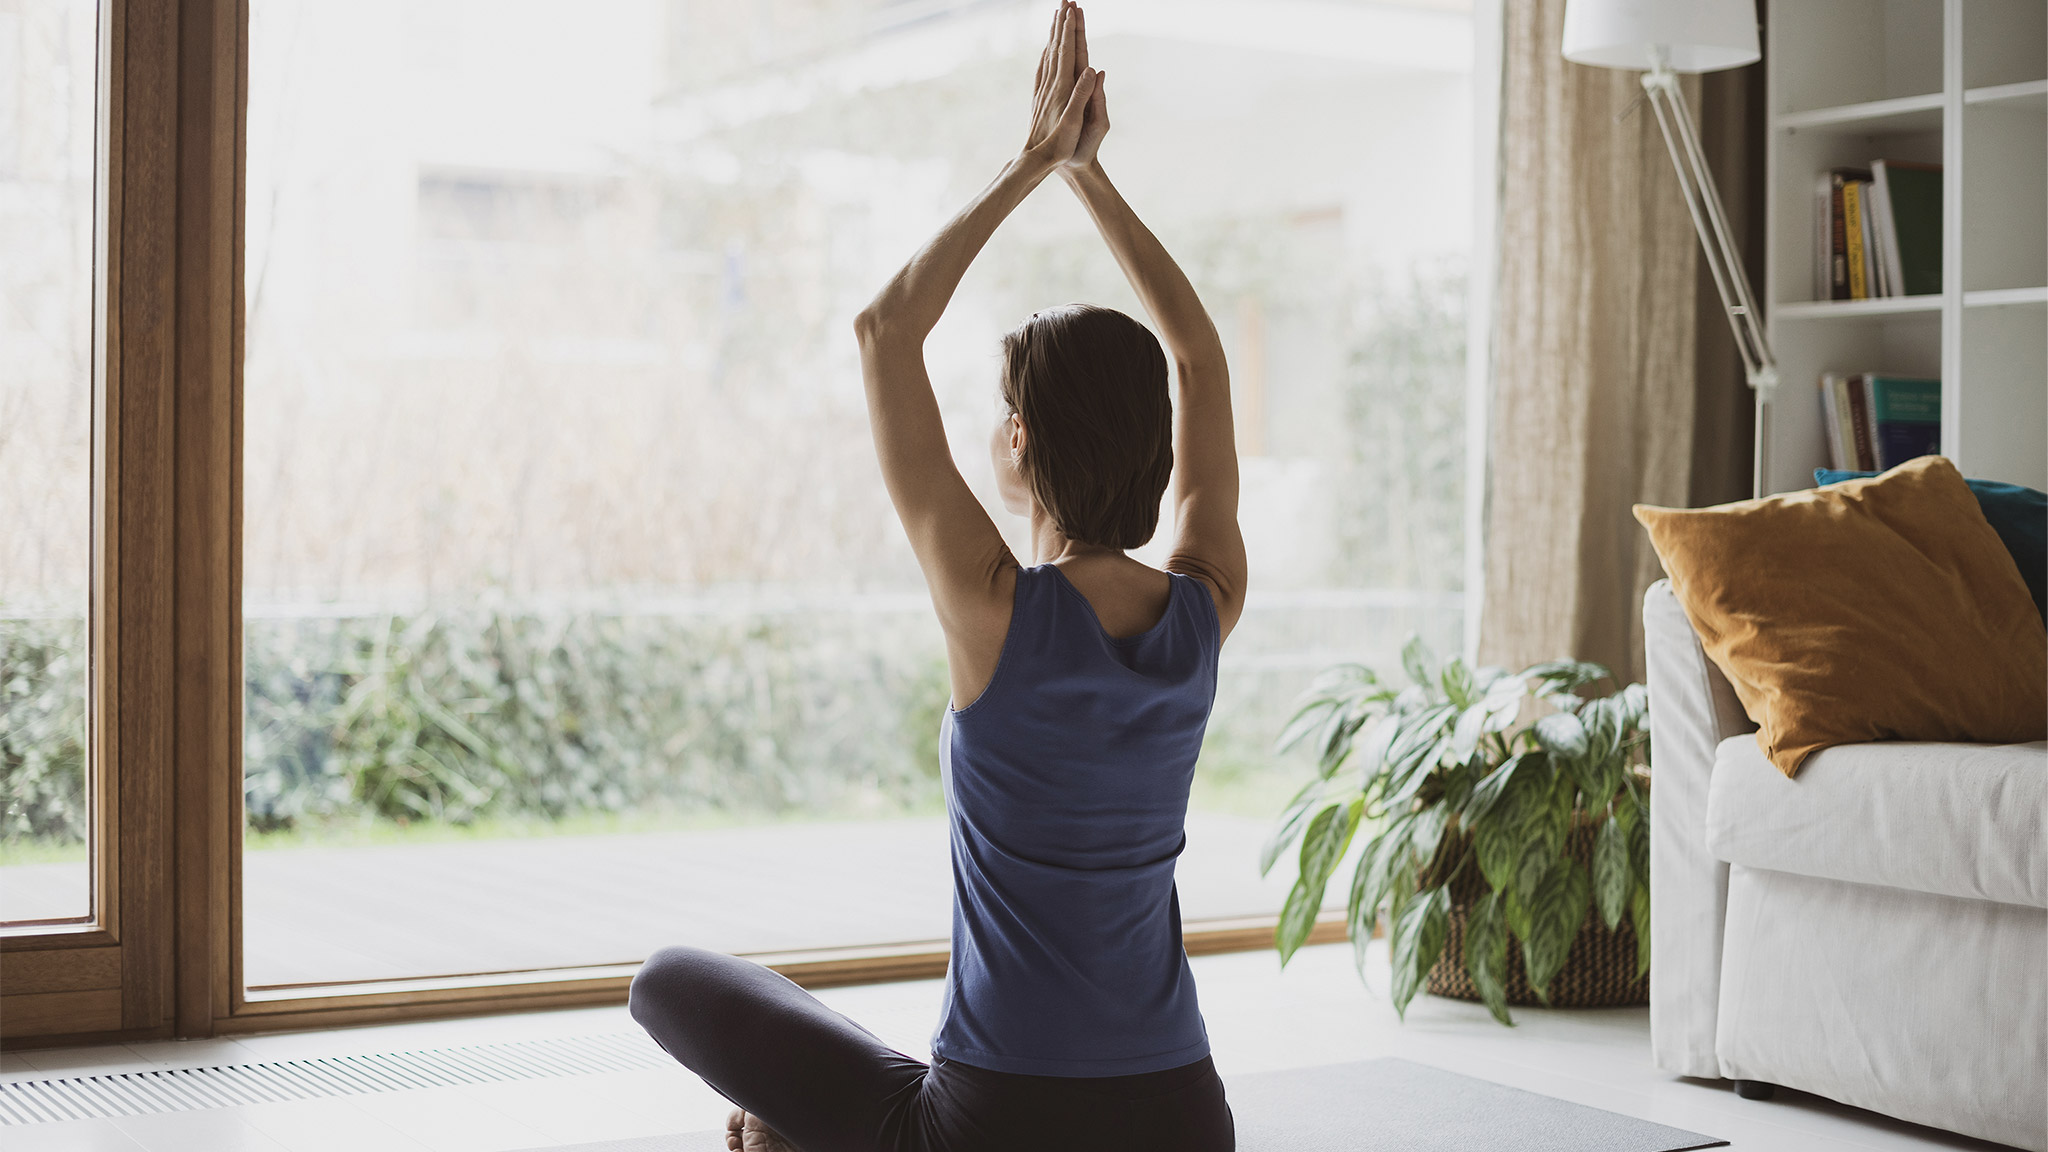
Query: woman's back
x: 1067, y: 783
x: 1070, y: 1018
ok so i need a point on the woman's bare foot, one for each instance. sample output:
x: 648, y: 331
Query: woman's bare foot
x: 746, y: 1132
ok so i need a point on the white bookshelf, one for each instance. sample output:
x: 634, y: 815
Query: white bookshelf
x: 1963, y: 83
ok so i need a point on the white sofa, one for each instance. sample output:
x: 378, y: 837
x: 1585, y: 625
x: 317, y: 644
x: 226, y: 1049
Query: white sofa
x: 1874, y: 931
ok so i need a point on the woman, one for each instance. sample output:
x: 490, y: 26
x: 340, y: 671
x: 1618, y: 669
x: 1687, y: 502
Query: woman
x: 1081, y: 686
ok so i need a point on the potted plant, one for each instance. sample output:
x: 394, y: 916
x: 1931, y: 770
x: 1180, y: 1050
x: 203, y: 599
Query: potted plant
x: 1509, y: 823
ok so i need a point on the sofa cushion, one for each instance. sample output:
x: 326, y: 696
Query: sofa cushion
x: 2018, y: 514
x: 1883, y: 609
x: 1951, y: 819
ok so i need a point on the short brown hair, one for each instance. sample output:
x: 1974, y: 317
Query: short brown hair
x: 1089, y: 384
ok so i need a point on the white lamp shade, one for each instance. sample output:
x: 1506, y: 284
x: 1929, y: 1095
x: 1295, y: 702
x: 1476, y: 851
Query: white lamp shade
x: 1695, y: 35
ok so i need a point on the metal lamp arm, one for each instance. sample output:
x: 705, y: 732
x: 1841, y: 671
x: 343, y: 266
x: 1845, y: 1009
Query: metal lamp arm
x: 1710, y: 219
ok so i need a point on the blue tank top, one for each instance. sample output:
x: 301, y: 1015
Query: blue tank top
x: 1067, y: 793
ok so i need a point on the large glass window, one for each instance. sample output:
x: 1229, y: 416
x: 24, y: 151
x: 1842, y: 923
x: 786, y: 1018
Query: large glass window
x: 46, y: 230
x: 577, y: 619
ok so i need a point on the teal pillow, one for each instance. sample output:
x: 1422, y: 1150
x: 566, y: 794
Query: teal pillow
x: 2019, y: 515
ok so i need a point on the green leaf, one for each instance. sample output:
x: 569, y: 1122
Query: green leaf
x: 1639, y: 838
x: 1465, y: 736
x: 1341, y: 695
x: 1307, y: 719
x: 1379, y: 866
x: 1496, y: 710
x: 1556, y: 911
x: 1635, y: 706
x: 1372, y: 755
x: 1338, y: 735
x: 1497, y: 854
x: 1503, y: 701
x: 1360, y: 917
x: 1415, y: 751
x: 1416, y: 660
x: 1541, y: 833
x: 1459, y: 780
x: 1563, y: 735
x: 1500, y: 812
x: 1418, y: 941
x: 1639, y: 918
x: 1297, y: 919
x: 1556, y: 680
x: 1291, y: 822
x: 1323, y: 845
x: 1457, y: 684
x: 1400, y: 883
x: 1611, y: 879
x: 1515, y: 910
x: 1601, y: 717
x: 1360, y: 953
x: 1604, y: 781
x: 1486, y: 953
x: 1496, y: 785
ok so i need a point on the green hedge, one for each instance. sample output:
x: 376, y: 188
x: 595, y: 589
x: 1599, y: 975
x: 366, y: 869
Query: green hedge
x: 458, y: 716
x: 42, y: 729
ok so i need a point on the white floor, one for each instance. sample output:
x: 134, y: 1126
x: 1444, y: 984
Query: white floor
x: 1316, y: 1012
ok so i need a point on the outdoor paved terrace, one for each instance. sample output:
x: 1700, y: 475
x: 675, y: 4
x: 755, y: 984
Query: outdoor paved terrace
x: 378, y: 912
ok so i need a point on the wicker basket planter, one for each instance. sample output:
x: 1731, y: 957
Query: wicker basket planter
x: 1598, y: 972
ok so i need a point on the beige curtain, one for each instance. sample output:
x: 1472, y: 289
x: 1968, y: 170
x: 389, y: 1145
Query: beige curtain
x: 1596, y: 362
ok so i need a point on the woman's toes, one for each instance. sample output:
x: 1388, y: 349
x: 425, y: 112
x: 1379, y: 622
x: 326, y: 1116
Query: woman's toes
x: 759, y: 1137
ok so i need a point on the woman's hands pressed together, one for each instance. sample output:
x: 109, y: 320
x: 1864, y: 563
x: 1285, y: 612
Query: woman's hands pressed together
x: 967, y: 565
x: 1068, y: 113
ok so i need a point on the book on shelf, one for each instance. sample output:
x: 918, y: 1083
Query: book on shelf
x: 1875, y: 247
x: 1854, y: 234
x: 1874, y: 422
x: 1877, y: 231
x: 1905, y: 418
x: 1832, y: 268
x: 1834, y: 402
x: 1912, y: 197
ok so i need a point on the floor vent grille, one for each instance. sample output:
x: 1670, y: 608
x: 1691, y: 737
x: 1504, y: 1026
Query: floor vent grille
x: 230, y: 1085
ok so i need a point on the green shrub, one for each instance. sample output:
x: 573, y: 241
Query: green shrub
x: 42, y: 729
x: 455, y: 716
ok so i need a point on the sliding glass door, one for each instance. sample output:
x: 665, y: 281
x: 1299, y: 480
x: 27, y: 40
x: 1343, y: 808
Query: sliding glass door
x: 440, y: 550
x: 48, y: 65
x: 575, y: 618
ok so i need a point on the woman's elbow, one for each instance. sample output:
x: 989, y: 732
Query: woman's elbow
x: 876, y: 326
x: 867, y: 326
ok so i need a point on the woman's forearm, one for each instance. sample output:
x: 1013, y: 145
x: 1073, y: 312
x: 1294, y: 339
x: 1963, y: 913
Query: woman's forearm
x: 910, y: 305
x: 1162, y: 287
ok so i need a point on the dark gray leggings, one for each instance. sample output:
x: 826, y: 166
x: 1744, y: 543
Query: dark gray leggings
x: 828, y: 1085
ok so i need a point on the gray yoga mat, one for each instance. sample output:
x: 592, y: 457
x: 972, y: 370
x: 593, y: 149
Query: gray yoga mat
x: 1372, y: 1105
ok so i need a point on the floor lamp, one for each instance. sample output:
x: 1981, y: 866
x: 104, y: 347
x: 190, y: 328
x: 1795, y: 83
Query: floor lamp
x: 1663, y: 38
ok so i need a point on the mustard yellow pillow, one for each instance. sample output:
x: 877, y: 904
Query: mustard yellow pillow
x: 1879, y: 609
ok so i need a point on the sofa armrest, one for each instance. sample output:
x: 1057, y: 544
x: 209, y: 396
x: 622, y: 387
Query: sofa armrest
x: 1692, y: 709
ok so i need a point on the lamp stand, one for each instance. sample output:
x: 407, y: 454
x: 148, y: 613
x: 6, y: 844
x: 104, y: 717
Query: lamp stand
x: 1710, y: 219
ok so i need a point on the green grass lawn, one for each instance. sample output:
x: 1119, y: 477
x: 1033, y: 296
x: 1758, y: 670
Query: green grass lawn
x: 1226, y: 785
x: 13, y: 852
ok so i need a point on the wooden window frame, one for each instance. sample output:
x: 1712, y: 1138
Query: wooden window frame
x: 161, y: 956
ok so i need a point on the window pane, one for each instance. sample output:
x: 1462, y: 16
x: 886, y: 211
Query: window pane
x: 578, y: 621
x: 46, y: 228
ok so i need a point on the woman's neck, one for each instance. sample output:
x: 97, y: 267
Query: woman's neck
x: 1050, y: 546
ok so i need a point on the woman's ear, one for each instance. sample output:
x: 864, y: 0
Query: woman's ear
x: 1016, y: 439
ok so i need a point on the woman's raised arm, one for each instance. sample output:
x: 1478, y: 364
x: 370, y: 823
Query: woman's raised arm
x: 966, y: 565
x: 1207, y: 543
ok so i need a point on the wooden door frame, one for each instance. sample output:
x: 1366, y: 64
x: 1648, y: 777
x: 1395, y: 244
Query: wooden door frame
x: 164, y: 669
x: 162, y: 957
